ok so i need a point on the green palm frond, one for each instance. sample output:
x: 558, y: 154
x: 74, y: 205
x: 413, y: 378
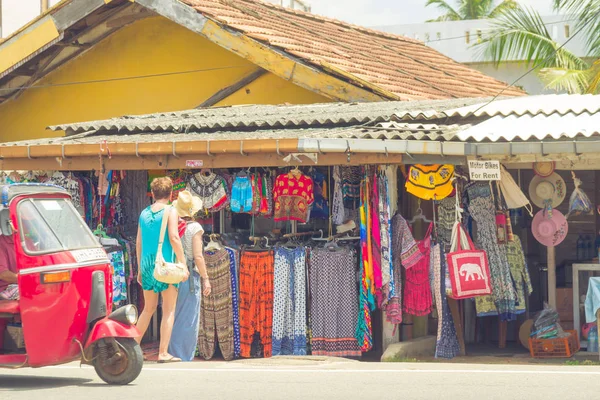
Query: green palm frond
x: 450, y: 14
x: 573, y: 80
x: 586, y: 13
x: 502, y: 8
x: 520, y: 34
x: 570, y: 80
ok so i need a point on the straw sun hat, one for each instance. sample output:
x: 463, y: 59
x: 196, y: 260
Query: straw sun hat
x: 187, y: 205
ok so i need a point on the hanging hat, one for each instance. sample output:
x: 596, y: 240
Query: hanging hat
x: 429, y: 182
x: 549, y: 229
x: 187, y: 205
x: 546, y: 190
x: 543, y: 169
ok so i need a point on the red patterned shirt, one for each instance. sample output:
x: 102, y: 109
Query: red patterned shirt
x: 293, y: 194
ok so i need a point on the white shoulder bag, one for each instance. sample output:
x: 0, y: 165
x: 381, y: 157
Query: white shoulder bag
x: 167, y: 272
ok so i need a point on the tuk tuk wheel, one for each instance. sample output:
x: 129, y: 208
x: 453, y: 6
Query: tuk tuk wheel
x: 122, y: 368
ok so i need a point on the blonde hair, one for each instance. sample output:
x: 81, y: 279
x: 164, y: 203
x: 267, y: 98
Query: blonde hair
x: 162, y: 188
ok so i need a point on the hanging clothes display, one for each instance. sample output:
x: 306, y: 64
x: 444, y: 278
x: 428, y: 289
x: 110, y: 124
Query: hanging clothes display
x: 256, y: 303
x: 293, y: 195
x: 385, y: 236
x: 119, y: 281
x: 430, y: 182
x: 446, y: 216
x: 289, y: 302
x: 417, y: 289
x: 375, y: 225
x: 334, y: 301
x: 405, y: 253
x: 519, y: 273
x: 337, y: 202
x: 351, y: 178
x: 241, y: 195
x: 447, y: 345
x: 233, y: 267
x: 216, y: 315
x: 503, y: 299
x: 320, y: 207
x: 212, y: 190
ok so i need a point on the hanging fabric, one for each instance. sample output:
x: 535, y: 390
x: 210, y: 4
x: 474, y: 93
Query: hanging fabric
x: 417, y: 289
x: 256, y: 303
x: 334, y: 301
x: 289, y: 302
x: 216, y: 315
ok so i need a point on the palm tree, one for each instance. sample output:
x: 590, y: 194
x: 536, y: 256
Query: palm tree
x: 470, y: 9
x: 520, y: 34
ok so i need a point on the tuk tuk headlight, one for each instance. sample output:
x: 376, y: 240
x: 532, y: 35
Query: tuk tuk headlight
x: 127, y: 314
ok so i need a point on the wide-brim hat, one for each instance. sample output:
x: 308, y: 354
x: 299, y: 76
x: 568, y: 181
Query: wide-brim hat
x: 543, y: 169
x: 187, y: 205
x: 550, y: 229
x: 551, y: 188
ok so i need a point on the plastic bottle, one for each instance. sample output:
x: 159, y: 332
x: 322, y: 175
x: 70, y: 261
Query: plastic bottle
x: 589, y: 251
x: 598, y: 247
x: 592, y: 346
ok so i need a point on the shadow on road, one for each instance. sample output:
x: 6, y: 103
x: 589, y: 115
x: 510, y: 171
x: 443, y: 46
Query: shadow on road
x: 22, y: 383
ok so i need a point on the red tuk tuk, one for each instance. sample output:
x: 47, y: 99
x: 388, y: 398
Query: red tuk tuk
x: 64, y: 312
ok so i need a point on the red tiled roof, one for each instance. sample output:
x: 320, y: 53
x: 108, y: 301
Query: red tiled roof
x: 403, y: 66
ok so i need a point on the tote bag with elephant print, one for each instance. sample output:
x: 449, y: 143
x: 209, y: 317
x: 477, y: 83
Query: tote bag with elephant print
x: 468, y: 267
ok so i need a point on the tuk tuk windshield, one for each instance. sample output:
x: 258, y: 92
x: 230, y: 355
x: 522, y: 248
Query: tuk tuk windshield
x: 52, y: 225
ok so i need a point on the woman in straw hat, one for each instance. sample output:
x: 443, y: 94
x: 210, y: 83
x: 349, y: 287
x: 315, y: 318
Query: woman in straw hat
x: 187, y: 312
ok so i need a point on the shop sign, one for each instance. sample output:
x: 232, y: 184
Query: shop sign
x: 194, y: 163
x: 484, y: 170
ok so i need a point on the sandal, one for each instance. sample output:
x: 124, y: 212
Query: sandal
x: 171, y: 359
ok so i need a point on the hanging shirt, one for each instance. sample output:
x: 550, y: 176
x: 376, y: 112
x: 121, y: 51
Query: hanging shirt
x: 293, y: 194
x: 211, y: 189
x: 241, y: 195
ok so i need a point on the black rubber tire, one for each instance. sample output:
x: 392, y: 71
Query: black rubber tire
x: 135, y: 362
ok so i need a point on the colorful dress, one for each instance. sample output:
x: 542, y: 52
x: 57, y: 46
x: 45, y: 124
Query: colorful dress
x: 150, y: 224
x: 405, y: 252
x: 519, y: 273
x: 417, y: 289
x: 184, y: 338
x: 503, y: 298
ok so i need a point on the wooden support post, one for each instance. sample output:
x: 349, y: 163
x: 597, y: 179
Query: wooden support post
x: 458, y: 325
x: 502, y: 330
x: 552, y: 277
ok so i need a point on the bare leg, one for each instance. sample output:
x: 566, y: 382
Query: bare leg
x: 150, y: 304
x: 169, y: 297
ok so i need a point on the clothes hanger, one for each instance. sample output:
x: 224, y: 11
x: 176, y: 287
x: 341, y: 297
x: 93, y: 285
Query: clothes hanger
x: 419, y: 216
x: 100, y: 231
x: 212, y: 244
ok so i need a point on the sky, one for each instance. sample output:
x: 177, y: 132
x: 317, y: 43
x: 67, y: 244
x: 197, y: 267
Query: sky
x: 17, y: 13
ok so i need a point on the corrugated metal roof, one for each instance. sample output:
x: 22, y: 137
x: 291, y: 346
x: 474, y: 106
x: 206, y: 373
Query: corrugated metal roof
x: 391, y: 131
x: 560, y: 104
x: 527, y: 127
x: 266, y: 116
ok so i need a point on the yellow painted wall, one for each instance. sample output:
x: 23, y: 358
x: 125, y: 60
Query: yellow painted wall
x: 278, y: 91
x: 152, y: 46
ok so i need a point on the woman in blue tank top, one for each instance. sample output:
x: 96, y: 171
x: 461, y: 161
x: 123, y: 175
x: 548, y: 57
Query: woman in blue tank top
x: 146, y: 247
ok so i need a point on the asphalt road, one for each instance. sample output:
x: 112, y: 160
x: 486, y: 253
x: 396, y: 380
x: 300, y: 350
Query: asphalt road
x: 310, y: 380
